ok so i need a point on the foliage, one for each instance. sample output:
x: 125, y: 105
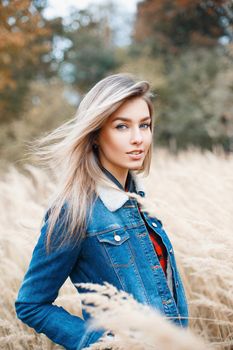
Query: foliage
x: 91, y: 55
x: 175, y: 46
x: 196, y: 103
x: 44, y: 108
x: 184, y: 35
x: 168, y: 26
x: 25, y: 40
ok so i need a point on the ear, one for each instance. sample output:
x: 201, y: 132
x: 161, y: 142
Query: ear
x: 96, y: 140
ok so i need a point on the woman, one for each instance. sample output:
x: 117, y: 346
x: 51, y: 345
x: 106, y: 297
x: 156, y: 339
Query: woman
x: 96, y: 229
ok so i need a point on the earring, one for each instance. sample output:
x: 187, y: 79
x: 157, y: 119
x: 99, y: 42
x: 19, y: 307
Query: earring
x: 95, y: 146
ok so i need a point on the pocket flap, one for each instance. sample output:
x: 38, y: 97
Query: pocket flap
x: 116, y: 237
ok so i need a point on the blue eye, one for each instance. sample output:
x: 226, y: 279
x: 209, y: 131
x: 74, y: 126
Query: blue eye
x: 146, y: 125
x: 123, y: 126
x: 120, y: 126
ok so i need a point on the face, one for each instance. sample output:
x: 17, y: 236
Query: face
x: 125, y: 138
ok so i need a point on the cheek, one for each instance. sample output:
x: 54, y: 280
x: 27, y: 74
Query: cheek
x: 111, y: 142
x: 116, y: 143
x: 148, y: 139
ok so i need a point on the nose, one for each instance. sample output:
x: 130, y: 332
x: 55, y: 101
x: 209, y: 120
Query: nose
x: 136, y: 136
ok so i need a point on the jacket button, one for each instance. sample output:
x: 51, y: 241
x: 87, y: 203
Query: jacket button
x: 177, y: 284
x: 167, y: 301
x: 117, y: 238
x: 154, y: 224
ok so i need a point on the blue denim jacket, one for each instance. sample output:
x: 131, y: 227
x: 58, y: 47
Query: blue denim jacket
x: 117, y: 249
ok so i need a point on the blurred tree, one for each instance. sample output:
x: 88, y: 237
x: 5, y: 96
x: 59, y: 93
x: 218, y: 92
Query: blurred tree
x: 25, y: 51
x: 45, y: 107
x: 92, y: 53
x: 169, y: 26
x: 196, y: 100
x: 185, y: 36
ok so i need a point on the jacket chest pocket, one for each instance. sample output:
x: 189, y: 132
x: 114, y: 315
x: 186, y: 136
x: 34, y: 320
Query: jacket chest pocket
x: 116, y: 245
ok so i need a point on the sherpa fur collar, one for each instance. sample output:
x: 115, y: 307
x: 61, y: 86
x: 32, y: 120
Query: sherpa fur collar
x: 112, y: 198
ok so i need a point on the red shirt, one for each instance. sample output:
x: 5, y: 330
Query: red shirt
x: 156, y: 240
x: 158, y: 246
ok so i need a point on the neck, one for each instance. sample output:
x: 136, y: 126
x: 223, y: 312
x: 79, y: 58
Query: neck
x: 121, y: 177
x: 119, y: 174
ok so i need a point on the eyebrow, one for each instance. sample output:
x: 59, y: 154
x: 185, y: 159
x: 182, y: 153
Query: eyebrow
x: 129, y: 120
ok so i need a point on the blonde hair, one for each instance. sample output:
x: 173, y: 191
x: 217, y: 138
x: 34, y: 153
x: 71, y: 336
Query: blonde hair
x: 69, y: 152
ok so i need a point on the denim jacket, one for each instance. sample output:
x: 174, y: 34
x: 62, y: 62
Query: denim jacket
x: 117, y: 249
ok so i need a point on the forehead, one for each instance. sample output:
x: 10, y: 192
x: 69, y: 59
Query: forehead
x: 134, y: 108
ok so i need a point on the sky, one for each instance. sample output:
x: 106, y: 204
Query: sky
x: 61, y: 8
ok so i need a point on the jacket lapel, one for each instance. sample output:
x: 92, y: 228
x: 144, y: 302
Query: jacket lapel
x: 113, y: 198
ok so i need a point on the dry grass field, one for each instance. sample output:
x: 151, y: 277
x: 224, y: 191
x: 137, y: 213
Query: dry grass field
x: 191, y: 193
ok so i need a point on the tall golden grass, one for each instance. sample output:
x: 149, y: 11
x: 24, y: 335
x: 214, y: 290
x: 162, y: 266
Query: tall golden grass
x: 192, y: 194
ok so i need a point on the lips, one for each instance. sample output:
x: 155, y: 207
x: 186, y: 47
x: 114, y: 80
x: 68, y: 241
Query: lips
x: 135, y: 152
x: 136, y: 155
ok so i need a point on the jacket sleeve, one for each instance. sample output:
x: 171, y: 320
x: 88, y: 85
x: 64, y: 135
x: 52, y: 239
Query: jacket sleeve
x: 45, y: 276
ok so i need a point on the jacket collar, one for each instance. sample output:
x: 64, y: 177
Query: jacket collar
x: 114, y: 199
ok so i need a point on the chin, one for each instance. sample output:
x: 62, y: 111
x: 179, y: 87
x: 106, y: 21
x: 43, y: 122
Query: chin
x: 135, y: 167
